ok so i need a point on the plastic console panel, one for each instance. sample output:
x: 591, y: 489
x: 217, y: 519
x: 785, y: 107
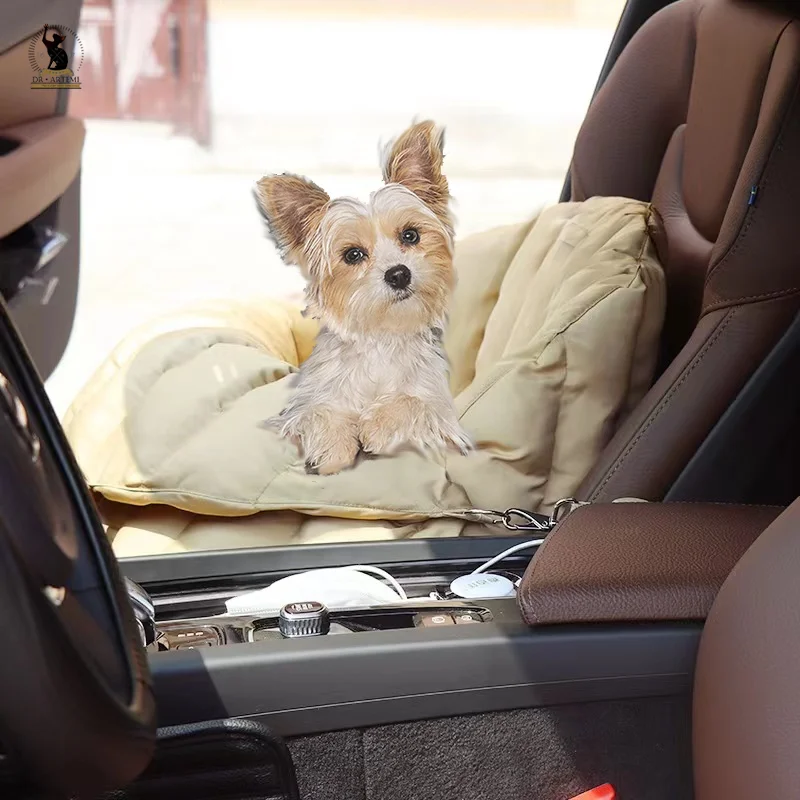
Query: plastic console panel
x: 305, y: 686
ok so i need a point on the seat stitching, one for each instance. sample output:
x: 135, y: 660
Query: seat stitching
x: 765, y: 296
x: 766, y: 171
x: 665, y: 400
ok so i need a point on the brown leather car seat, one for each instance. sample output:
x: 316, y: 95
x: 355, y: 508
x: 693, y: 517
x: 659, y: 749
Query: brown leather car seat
x: 700, y: 114
x: 746, y: 726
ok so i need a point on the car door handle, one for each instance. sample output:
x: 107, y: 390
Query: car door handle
x: 39, y: 170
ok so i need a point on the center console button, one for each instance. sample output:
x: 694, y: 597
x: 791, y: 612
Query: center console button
x: 467, y: 617
x: 187, y: 638
x: 435, y: 619
x: 194, y: 645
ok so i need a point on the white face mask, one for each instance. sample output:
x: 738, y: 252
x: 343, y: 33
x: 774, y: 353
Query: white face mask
x: 341, y: 587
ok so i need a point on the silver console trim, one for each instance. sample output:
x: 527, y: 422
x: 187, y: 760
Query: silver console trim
x: 242, y: 628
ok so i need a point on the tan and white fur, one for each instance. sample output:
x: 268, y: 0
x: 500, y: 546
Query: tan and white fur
x: 380, y: 275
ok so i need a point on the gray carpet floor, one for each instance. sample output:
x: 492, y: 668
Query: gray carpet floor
x: 642, y: 747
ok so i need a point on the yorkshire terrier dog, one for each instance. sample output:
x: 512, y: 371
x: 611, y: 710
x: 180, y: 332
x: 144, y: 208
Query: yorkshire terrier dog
x: 380, y: 275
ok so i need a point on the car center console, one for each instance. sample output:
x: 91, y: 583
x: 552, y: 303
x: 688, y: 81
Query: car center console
x: 612, y: 608
x: 431, y: 656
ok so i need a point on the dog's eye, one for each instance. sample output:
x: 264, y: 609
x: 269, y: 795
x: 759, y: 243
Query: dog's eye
x: 410, y: 236
x: 354, y: 255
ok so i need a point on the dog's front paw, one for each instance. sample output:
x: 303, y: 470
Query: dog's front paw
x: 376, y: 435
x: 329, y: 440
x: 389, y: 424
x: 456, y: 437
x: 339, y: 455
x: 443, y: 431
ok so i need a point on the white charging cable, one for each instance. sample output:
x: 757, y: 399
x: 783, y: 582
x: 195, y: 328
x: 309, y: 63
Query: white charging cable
x: 506, y: 553
x: 336, y: 592
x: 382, y: 574
x: 482, y: 568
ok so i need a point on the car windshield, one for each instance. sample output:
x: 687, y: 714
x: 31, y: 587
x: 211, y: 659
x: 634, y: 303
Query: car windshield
x: 187, y: 313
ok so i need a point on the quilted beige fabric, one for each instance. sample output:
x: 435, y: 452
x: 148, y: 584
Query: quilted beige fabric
x: 553, y: 337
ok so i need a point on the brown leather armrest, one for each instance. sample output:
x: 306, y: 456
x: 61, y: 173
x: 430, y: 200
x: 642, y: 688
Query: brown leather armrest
x: 615, y: 562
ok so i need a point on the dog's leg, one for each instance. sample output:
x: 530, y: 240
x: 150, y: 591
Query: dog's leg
x: 406, y: 420
x: 390, y: 422
x: 329, y: 439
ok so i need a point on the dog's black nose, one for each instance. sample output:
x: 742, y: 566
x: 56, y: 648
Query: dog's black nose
x: 398, y: 277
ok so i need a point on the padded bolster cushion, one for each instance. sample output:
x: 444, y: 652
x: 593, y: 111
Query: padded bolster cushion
x: 638, y: 562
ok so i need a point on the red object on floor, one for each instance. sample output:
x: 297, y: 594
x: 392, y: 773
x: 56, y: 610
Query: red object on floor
x: 604, y: 792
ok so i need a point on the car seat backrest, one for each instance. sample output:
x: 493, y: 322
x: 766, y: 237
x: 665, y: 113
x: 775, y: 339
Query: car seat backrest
x: 700, y: 115
x: 746, y: 693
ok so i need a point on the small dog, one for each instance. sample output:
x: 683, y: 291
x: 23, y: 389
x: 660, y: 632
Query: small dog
x: 380, y: 275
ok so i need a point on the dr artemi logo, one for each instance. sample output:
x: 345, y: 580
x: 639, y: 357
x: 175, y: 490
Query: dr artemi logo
x: 55, y: 55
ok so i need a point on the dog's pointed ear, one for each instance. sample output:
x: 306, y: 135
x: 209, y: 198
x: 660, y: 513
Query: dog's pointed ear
x: 292, y: 207
x: 414, y: 160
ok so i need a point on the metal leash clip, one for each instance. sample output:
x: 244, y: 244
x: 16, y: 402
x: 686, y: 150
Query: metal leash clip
x: 529, y: 521
x: 517, y: 519
x: 563, y: 508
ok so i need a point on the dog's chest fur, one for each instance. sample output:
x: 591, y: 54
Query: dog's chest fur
x: 352, y: 373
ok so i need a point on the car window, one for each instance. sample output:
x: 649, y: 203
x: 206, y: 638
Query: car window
x: 187, y: 105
